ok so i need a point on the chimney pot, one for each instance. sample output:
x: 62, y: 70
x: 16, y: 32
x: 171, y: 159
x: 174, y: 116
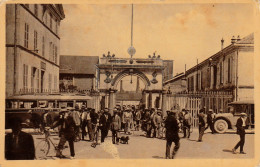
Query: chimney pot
x: 222, y: 44
x: 238, y: 38
x: 233, y: 40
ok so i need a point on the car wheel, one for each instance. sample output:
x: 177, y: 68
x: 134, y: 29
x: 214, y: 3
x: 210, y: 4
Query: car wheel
x: 221, y: 126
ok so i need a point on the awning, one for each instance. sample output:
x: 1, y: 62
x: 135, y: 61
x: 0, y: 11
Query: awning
x: 50, y: 97
x: 242, y: 102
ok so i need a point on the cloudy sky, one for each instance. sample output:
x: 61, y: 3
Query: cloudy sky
x: 179, y: 32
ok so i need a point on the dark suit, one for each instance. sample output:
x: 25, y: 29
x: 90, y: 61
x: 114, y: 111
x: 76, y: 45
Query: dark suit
x: 172, y: 135
x: 20, y: 148
x: 241, y: 133
x: 105, y: 121
x: 67, y: 133
x: 202, y: 125
x: 210, y: 123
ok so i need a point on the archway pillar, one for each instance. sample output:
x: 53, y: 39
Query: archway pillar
x: 164, y: 103
x: 112, y: 100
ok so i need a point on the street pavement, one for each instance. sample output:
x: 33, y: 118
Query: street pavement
x: 214, y: 146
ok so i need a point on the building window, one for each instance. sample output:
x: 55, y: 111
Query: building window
x: 55, y: 82
x: 53, y: 52
x: 46, y: 18
x: 25, y: 77
x: 56, y: 55
x: 36, y: 10
x: 56, y: 24
x: 32, y: 77
x: 51, y: 21
x: 43, y: 46
x: 26, y: 35
x: 229, y: 70
x: 35, y: 42
x: 221, y: 76
x: 50, y: 51
x: 50, y: 81
x: 37, y: 80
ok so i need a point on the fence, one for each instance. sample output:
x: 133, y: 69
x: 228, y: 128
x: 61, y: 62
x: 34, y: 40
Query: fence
x: 194, y: 101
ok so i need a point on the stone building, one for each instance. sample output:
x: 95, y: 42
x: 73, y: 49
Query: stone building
x: 32, y: 48
x: 78, y: 72
x: 222, y: 78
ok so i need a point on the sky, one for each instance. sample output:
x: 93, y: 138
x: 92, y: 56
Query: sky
x: 179, y: 32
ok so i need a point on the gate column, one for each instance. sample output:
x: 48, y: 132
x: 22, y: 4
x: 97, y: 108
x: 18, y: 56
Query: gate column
x: 112, y: 101
x: 164, y: 103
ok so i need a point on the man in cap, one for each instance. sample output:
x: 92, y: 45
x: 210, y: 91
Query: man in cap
x: 127, y: 118
x: 172, y: 129
x: 83, y: 122
x: 67, y: 132
x: 18, y: 144
x: 210, y: 121
x: 241, y: 125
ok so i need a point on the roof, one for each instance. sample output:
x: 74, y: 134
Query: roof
x: 247, y: 40
x: 176, y: 77
x: 242, y: 102
x: 78, y: 64
x: 50, y: 97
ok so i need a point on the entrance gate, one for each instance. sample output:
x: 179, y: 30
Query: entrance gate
x: 111, y: 70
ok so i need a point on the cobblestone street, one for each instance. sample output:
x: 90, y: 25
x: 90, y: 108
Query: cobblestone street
x: 213, y: 146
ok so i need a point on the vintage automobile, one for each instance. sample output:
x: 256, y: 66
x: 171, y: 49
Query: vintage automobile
x: 225, y: 121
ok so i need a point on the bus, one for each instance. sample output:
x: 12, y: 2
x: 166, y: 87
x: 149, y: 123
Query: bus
x: 19, y: 106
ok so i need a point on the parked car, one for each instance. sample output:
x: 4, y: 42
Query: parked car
x: 225, y: 121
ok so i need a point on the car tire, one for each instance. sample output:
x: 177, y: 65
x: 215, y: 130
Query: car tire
x: 221, y: 126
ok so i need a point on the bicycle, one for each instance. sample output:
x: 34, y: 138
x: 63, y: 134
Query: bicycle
x: 43, y: 147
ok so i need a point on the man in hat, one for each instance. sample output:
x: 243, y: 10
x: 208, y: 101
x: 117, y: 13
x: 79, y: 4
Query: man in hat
x: 186, y: 123
x: 67, y: 132
x: 241, y: 125
x: 172, y: 135
x: 83, y: 121
x: 76, y: 117
x: 18, y: 144
x: 210, y: 121
x: 202, y: 124
x: 105, y: 121
x: 115, y: 127
x: 127, y: 118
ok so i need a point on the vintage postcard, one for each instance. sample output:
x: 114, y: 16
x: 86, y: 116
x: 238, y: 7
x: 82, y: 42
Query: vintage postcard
x: 129, y: 83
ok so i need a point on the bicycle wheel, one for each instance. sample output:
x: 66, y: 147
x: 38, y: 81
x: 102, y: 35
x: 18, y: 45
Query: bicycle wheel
x: 42, y: 149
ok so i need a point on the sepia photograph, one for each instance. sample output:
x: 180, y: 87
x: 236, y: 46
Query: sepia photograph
x: 129, y: 81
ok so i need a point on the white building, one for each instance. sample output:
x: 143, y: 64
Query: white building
x: 32, y: 47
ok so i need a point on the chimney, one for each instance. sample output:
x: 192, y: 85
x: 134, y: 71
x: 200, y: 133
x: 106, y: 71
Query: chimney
x: 222, y: 44
x: 238, y: 38
x: 233, y: 40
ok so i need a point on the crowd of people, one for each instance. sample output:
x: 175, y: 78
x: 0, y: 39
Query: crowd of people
x: 78, y: 123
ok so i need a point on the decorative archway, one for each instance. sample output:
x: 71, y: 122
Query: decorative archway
x: 127, y: 72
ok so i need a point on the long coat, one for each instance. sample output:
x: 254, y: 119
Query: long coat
x: 172, y: 128
x: 25, y: 149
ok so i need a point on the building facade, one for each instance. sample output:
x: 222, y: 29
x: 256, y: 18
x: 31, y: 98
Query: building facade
x: 78, y: 72
x: 224, y: 77
x: 32, y: 48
